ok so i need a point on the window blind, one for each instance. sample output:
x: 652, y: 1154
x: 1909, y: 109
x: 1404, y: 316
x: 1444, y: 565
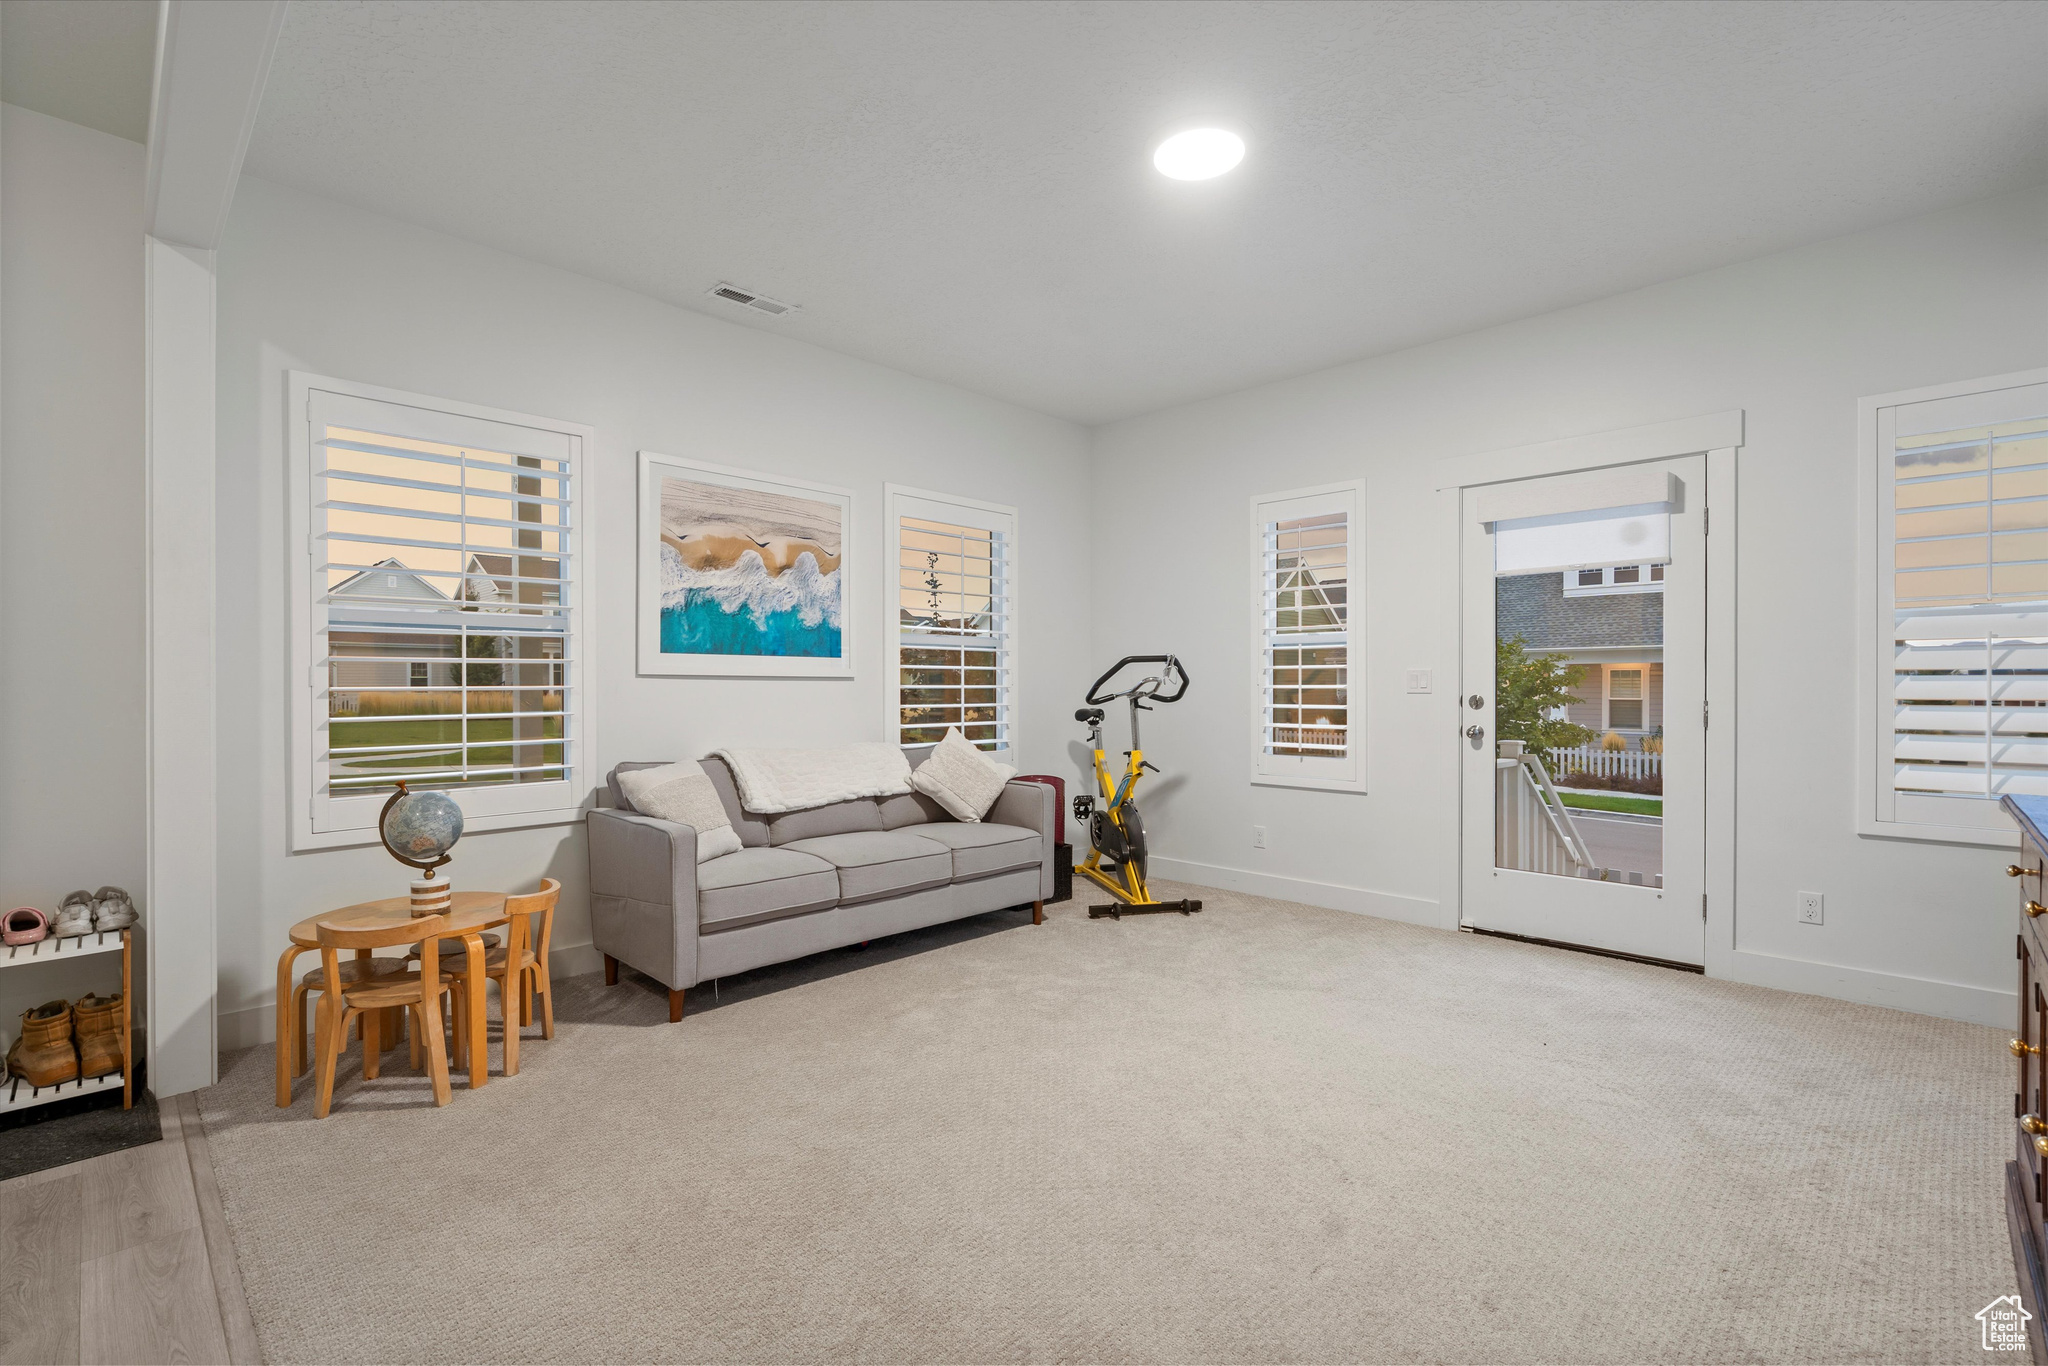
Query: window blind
x: 954, y: 622
x: 443, y: 629
x: 1969, y: 581
x: 1305, y: 652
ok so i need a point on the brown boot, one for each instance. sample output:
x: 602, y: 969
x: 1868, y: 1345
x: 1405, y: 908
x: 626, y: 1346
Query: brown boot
x: 43, y: 1055
x: 97, y: 1025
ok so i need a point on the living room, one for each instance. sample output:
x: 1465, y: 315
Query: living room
x: 914, y: 438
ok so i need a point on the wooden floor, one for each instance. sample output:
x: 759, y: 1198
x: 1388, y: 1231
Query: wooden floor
x: 123, y: 1258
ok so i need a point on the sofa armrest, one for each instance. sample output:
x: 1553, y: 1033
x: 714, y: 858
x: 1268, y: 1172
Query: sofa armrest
x: 1031, y: 806
x: 643, y: 894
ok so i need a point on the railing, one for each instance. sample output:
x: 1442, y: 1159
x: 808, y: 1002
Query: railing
x: 1607, y: 763
x: 1533, y: 829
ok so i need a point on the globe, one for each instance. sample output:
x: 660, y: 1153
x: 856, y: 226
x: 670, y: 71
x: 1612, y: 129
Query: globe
x: 420, y: 828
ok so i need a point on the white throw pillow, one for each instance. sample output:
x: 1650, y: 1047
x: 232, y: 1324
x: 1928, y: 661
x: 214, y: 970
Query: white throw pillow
x: 961, y: 778
x: 683, y: 793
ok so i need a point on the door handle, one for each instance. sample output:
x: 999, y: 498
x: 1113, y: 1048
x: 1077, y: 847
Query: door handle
x: 1475, y: 732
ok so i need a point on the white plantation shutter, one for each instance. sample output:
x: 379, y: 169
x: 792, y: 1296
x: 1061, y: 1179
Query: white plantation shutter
x: 1305, y: 558
x: 952, y: 619
x: 1965, y: 518
x: 438, y: 612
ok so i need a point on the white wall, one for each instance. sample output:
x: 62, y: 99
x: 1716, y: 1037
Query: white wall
x: 1794, y: 339
x: 71, y: 527
x: 308, y: 284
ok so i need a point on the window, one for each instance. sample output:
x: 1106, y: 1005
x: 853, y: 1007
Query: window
x: 1305, y: 555
x: 952, y: 619
x: 435, y: 610
x: 1624, y: 699
x: 1958, y: 508
x: 1627, y: 578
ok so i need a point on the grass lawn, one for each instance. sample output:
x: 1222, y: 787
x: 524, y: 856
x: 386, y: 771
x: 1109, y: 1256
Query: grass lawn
x: 348, y: 732
x: 1600, y: 801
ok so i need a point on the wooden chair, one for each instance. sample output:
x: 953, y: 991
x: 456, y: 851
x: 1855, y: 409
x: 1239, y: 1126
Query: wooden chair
x: 358, y: 970
x: 342, y: 1000
x: 521, y: 970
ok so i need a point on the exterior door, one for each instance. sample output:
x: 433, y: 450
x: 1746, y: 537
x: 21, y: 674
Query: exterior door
x: 1582, y: 718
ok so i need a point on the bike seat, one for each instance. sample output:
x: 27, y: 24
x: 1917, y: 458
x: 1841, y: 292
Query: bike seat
x: 1091, y: 716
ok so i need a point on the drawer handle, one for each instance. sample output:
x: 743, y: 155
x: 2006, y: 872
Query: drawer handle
x: 2021, y: 1048
x: 2034, y: 1124
x: 2014, y: 870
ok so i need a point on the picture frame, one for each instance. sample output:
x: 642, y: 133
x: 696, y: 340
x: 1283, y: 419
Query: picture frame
x: 742, y: 574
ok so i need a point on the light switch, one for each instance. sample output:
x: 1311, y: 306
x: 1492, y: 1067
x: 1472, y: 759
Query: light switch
x: 1418, y: 680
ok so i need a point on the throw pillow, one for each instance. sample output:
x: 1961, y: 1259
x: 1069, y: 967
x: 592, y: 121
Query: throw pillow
x: 961, y: 778
x: 683, y: 793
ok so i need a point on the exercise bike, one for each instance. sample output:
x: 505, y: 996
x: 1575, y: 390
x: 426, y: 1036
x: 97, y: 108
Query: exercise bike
x: 1115, y: 829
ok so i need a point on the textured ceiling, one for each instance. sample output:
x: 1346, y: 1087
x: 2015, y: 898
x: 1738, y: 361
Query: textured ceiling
x: 963, y: 190
x: 86, y: 63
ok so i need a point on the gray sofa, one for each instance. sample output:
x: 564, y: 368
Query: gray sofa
x: 803, y: 881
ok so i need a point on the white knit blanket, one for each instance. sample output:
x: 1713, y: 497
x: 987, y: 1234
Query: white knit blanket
x: 774, y: 780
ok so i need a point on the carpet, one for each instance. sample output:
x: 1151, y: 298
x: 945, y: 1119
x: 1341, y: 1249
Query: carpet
x: 1268, y: 1132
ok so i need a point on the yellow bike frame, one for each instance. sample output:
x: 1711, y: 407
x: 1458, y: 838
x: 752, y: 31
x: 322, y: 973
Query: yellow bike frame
x: 1129, y: 886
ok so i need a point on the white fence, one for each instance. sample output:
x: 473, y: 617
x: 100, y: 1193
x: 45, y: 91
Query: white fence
x: 1606, y: 763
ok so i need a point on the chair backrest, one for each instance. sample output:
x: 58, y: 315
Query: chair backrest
x: 426, y: 931
x: 519, y: 909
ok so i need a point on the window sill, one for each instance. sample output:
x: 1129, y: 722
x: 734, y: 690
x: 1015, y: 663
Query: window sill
x: 1940, y: 834
x: 1315, y: 784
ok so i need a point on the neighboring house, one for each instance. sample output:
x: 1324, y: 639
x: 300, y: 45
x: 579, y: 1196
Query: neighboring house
x: 1609, y: 625
x: 389, y: 626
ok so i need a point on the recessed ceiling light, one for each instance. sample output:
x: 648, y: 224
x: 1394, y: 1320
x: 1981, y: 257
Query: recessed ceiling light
x: 1198, y: 154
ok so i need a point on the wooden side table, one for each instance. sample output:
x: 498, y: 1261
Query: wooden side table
x: 471, y: 914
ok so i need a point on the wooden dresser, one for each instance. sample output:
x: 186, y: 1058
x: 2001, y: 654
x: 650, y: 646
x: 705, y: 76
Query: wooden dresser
x: 2026, y: 1201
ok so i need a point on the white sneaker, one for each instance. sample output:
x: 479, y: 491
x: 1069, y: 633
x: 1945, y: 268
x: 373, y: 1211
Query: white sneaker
x: 74, y: 917
x: 113, y: 910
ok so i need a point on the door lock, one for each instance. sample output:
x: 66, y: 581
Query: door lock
x: 1475, y: 702
x: 1475, y: 732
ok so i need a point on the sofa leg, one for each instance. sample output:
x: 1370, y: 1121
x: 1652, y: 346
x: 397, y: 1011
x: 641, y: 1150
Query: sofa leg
x: 611, y: 971
x: 675, y: 1005
x: 1038, y: 912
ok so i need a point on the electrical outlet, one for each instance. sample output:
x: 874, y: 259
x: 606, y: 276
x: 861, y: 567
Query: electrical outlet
x: 1812, y: 908
x: 1258, y: 837
x: 1418, y: 680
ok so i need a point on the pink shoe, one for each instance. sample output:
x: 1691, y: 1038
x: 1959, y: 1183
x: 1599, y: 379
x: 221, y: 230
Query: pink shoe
x: 24, y: 925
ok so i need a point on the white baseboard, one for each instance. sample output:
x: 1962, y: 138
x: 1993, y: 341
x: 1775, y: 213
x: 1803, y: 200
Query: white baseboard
x: 574, y: 960
x: 1414, y: 910
x: 249, y: 1026
x: 1922, y: 995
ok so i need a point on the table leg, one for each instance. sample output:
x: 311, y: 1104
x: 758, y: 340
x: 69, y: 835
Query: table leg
x: 285, y: 1038
x: 479, y: 1033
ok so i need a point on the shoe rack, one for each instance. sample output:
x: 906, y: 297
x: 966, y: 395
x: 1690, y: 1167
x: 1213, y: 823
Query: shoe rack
x: 17, y: 1094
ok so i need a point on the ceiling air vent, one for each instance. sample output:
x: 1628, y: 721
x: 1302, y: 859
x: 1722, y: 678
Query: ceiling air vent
x: 758, y: 302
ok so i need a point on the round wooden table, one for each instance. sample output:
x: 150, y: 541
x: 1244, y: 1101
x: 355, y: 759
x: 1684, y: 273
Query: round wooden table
x: 470, y: 915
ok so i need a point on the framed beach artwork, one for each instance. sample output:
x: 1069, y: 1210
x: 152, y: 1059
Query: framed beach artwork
x: 742, y: 574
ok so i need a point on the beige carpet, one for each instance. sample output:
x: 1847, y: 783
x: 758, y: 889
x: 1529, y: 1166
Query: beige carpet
x: 1266, y: 1133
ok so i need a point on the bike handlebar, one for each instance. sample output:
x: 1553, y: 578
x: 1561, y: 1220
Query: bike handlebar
x: 1168, y: 660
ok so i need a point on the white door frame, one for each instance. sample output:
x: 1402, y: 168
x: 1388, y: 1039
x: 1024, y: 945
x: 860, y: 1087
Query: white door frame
x: 1718, y: 436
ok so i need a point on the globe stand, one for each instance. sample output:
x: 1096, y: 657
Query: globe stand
x: 431, y: 894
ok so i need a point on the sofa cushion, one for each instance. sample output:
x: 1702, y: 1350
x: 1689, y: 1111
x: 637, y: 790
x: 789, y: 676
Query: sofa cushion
x: 753, y: 830
x: 879, y: 863
x: 839, y: 818
x: 754, y: 885
x: 980, y: 849
x: 911, y: 808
